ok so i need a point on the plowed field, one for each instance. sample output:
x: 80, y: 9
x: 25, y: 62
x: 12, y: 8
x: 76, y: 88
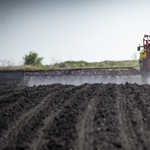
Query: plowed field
x: 68, y: 117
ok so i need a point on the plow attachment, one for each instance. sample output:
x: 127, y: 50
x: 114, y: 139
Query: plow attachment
x: 83, y: 75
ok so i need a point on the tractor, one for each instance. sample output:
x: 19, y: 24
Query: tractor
x: 144, y: 59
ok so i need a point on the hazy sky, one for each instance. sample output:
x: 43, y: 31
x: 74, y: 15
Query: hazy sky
x: 61, y: 30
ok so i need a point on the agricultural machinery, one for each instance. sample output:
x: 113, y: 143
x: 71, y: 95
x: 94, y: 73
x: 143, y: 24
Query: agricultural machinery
x: 97, y: 75
x: 145, y: 59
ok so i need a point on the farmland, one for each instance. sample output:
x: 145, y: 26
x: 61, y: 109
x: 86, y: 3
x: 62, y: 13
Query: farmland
x: 68, y: 117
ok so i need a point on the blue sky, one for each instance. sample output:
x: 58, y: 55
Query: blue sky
x: 61, y: 30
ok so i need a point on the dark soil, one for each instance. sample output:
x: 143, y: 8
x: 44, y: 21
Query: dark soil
x: 68, y: 117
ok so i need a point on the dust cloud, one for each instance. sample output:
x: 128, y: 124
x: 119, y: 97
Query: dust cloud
x: 78, y: 80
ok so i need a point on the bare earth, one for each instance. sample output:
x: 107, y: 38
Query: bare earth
x: 68, y: 117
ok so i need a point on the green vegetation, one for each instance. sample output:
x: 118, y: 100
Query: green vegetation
x: 33, y: 62
x: 103, y: 64
x: 32, y: 59
x: 72, y: 64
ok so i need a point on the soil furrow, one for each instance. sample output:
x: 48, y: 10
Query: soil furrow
x: 85, y: 127
x: 106, y: 120
x: 124, y: 120
x: 85, y: 122
x: 48, y: 120
x: 24, y: 103
x: 64, y: 123
x: 24, y: 120
x: 137, y: 131
x: 68, y: 117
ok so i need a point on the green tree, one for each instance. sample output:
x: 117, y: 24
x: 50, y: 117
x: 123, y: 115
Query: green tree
x: 32, y: 59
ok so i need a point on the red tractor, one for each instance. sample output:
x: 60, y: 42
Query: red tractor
x: 145, y: 59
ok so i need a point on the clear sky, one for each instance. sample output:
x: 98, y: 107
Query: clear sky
x: 61, y: 30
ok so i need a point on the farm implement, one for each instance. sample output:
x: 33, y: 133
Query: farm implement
x: 96, y: 75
